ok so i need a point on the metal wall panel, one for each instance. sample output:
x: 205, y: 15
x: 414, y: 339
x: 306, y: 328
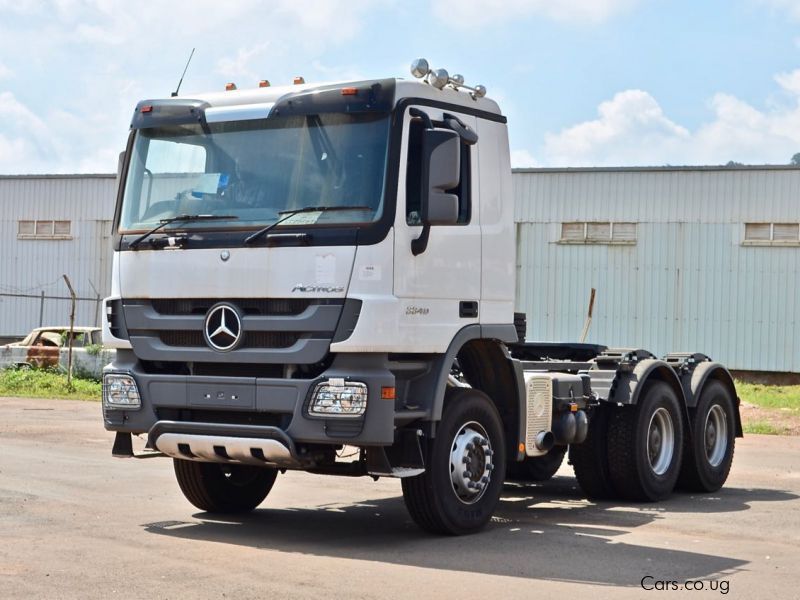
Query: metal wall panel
x: 33, y: 266
x: 688, y: 284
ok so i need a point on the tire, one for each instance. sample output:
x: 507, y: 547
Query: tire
x: 589, y: 460
x: 538, y: 468
x: 439, y: 500
x: 221, y: 488
x: 708, y: 451
x: 645, y: 444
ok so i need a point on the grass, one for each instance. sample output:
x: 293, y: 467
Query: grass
x: 763, y: 427
x: 770, y: 396
x: 36, y: 383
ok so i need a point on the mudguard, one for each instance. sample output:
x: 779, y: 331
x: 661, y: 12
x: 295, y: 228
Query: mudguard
x: 628, y: 385
x: 707, y: 371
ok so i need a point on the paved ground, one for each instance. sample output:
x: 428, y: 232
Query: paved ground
x: 76, y: 523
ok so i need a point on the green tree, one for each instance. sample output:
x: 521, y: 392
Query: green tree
x: 795, y: 160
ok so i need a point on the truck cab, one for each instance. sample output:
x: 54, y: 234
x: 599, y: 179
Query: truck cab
x: 303, y: 268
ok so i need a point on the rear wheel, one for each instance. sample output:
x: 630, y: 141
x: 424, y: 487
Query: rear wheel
x: 645, y: 443
x: 223, y: 488
x: 464, y: 467
x: 708, y: 452
x: 538, y: 468
x: 589, y: 460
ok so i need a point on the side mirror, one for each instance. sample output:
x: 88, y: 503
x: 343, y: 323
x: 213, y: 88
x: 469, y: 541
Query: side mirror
x: 441, y: 171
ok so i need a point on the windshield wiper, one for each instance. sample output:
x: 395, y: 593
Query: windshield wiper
x: 290, y: 213
x: 184, y: 218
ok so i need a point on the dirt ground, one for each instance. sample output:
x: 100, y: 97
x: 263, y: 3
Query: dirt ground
x: 784, y: 420
x: 77, y: 523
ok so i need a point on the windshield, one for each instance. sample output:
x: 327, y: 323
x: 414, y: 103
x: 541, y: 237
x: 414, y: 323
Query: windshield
x: 254, y: 170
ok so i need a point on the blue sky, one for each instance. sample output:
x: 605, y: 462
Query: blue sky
x: 583, y: 82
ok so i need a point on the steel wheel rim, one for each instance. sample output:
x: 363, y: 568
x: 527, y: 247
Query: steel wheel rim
x: 715, y: 435
x: 471, y: 463
x: 660, y: 441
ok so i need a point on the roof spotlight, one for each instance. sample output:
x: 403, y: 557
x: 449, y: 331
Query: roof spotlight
x: 438, y: 78
x: 420, y: 68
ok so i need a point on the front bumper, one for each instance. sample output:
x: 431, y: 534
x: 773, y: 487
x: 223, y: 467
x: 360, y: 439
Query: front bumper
x: 226, y: 444
x: 273, y: 402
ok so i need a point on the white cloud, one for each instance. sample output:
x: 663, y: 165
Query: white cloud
x: 87, y: 62
x: 338, y: 72
x: 522, y: 158
x: 632, y: 129
x: 24, y: 136
x: 630, y: 124
x: 789, y: 81
x: 240, y: 65
x: 468, y: 14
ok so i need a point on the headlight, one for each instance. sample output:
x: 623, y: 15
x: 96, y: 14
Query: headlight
x: 335, y: 398
x: 120, y: 391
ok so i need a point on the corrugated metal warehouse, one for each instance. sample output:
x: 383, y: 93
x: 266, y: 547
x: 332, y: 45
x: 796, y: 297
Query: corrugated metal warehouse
x: 683, y: 259
x: 52, y: 225
x: 699, y: 258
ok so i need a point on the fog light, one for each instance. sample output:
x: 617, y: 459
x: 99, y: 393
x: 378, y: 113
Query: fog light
x: 120, y: 391
x: 335, y: 398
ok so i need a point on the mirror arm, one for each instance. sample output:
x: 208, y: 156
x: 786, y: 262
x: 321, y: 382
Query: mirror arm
x: 467, y: 135
x: 415, y: 112
x: 419, y: 245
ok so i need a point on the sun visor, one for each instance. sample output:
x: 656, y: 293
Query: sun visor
x: 240, y: 112
x: 359, y: 97
x: 157, y: 113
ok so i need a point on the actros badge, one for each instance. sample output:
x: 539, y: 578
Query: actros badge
x: 223, y: 328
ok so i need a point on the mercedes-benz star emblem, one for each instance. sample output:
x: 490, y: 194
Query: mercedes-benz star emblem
x: 223, y: 328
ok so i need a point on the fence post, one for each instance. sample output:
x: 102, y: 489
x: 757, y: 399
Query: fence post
x: 71, y: 332
x: 41, y: 310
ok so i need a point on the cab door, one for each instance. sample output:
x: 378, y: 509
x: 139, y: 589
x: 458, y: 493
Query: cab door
x: 439, y: 288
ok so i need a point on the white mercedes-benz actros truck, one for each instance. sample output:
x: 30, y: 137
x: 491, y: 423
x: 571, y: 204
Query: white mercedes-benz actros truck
x: 306, y: 272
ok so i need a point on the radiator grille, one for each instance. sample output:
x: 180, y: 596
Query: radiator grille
x: 252, y: 339
x: 248, y: 306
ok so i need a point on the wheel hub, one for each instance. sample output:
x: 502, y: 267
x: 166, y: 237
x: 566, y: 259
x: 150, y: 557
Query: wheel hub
x: 660, y: 441
x: 716, y: 435
x: 471, y: 463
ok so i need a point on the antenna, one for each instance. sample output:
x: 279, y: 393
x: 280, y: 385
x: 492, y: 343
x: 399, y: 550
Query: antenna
x: 177, y: 89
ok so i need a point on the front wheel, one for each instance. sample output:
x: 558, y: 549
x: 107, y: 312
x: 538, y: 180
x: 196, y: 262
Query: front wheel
x: 465, y: 464
x: 220, y: 488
